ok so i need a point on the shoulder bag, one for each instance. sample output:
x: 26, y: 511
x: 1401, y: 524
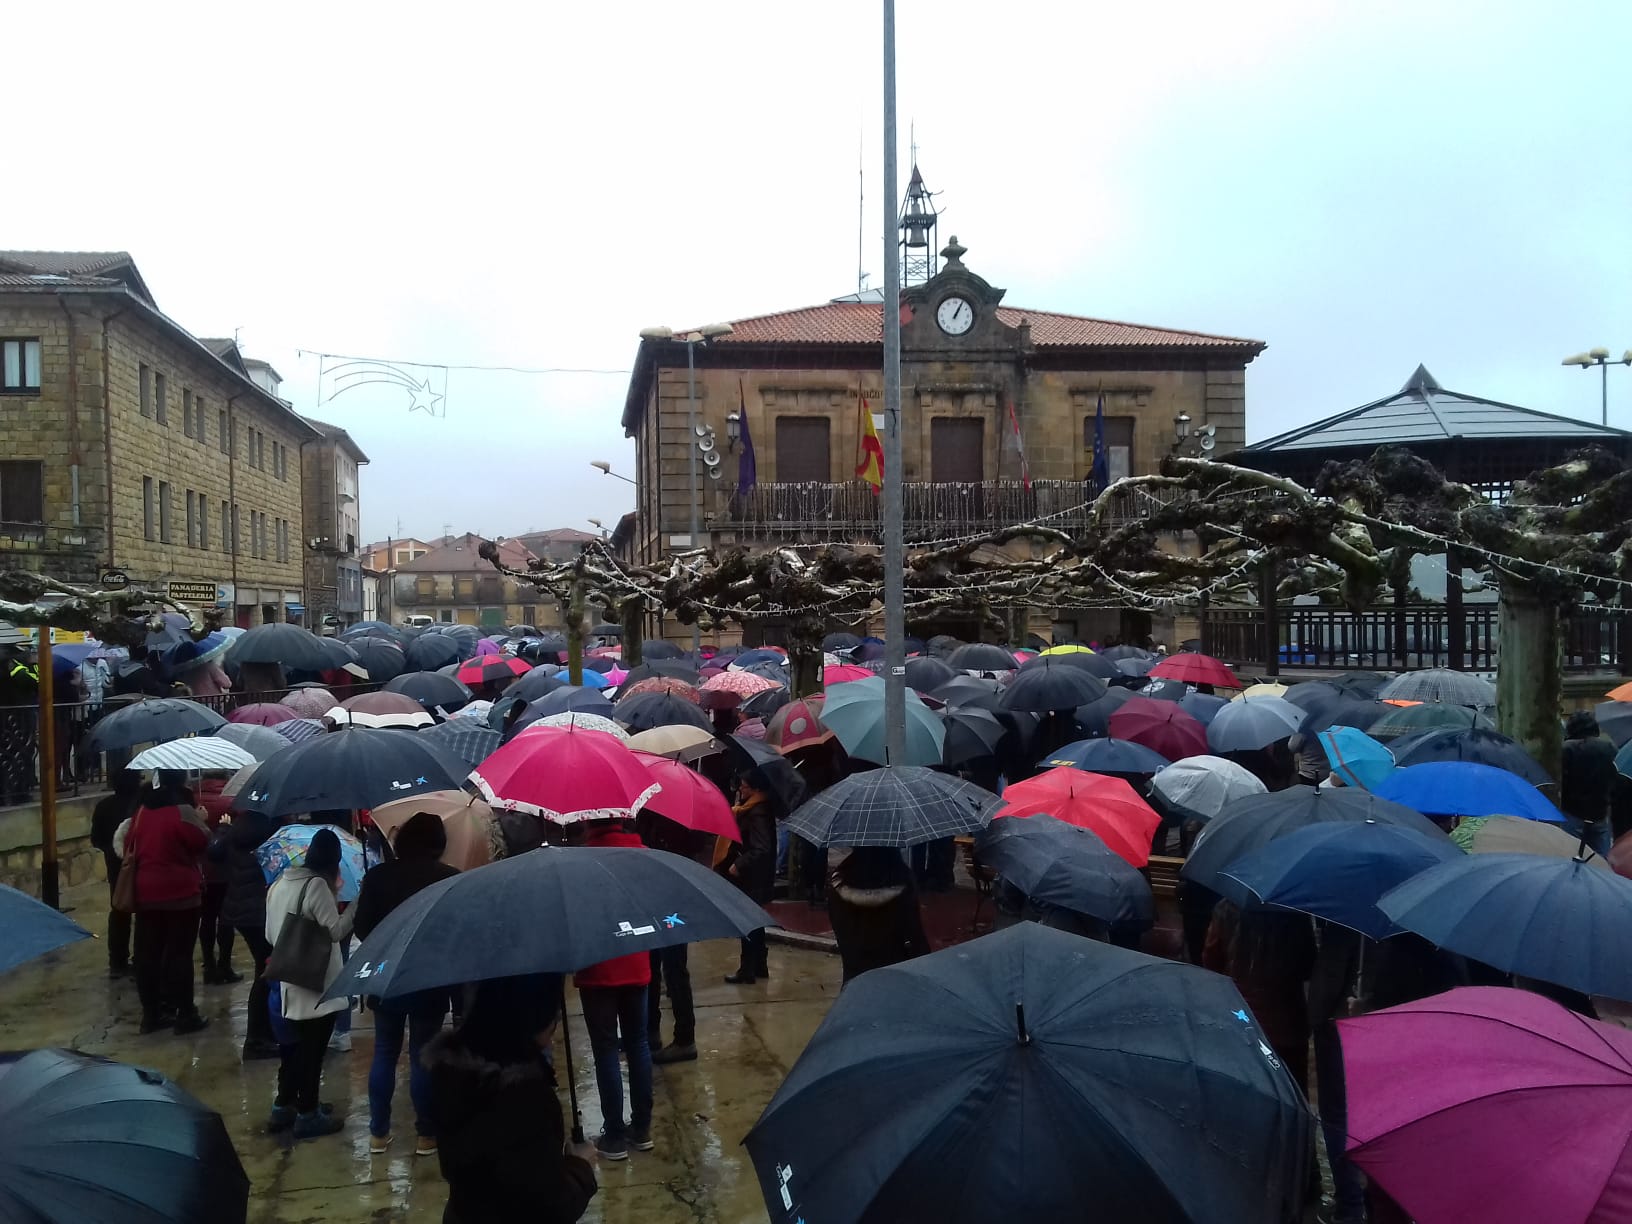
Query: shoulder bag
x: 123, y: 899
x: 301, y: 955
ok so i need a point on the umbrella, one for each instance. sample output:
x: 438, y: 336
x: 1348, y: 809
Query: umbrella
x: 1623, y: 761
x: 1118, y: 653
x: 205, y: 753
x: 1543, y: 918
x: 674, y: 669
x: 287, y: 848
x: 1426, y: 718
x: 1094, y: 717
x: 682, y: 743
x: 660, y: 684
x: 1160, y: 726
x: 1035, y: 1075
x: 970, y: 691
x: 645, y: 711
x: 1106, y: 805
x: 352, y: 769
x: 336, y: 654
x: 1051, y: 686
x: 1159, y: 690
x: 689, y: 799
x: 763, y: 705
x: 468, y: 741
x: 579, y: 719
x: 261, y: 714
x: 749, y: 754
x: 259, y: 742
x: 381, y: 710
x: 1085, y: 660
x: 1313, y: 693
x: 1136, y: 667
x: 1254, y: 723
x: 842, y: 673
x: 1462, y: 788
x: 840, y: 641
x: 540, y: 682
x: 1247, y: 824
x: 928, y: 674
x: 430, y: 689
x: 1338, y: 710
x: 380, y: 657
x: 1516, y: 835
x: 1338, y: 871
x: 616, y: 900
x: 168, y: 630
x: 1355, y: 757
x: 1107, y: 756
x: 1066, y: 648
x: 429, y: 651
x: 310, y: 701
x: 1356, y: 683
x: 855, y: 713
x: 299, y: 730
x: 295, y: 648
x: 1443, y: 685
x: 762, y: 654
x: 153, y: 720
x: 365, y: 629
x: 1057, y: 864
x: 798, y: 724
x: 466, y: 820
x: 1196, y: 669
x: 190, y: 655
x: 1615, y: 721
x: 569, y: 700
x: 898, y: 805
x: 1543, y: 1088
x: 1471, y: 744
x: 739, y: 685
x: 1201, y: 787
x: 981, y: 656
x: 970, y: 733
x: 84, y: 1139
x: 1267, y: 688
x: 1203, y: 707
x: 566, y: 774
x: 32, y: 929
x: 491, y: 669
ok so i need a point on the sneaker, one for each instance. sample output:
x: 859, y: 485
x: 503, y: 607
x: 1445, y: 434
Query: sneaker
x: 610, y: 1148
x: 639, y: 1138
x: 254, y: 1050
x: 280, y: 1119
x: 191, y: 1024
x: 316, y: 1124
x: 340, y: 1043
x: 425, y: 1145
x: 378, y: 1143
x: 678, y: 1052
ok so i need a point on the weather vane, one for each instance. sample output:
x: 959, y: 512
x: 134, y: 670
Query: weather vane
x: 426, y: 385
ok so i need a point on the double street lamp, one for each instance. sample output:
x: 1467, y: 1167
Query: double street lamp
x: 1600, y: 357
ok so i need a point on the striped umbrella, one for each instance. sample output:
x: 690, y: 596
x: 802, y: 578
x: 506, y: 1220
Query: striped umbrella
x: 201, y: 752
x: 299, y: 730
x: 259, y: 742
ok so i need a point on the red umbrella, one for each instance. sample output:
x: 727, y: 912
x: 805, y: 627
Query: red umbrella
x: 1105, y: 805
x: 1161, y: 726
x: 840, y: 672
x: 688, y: 798
x: 485, y: 669
x: 1195, y: 668
x: 262, y: 714
x: 797, y: 725
x: 566, y: 774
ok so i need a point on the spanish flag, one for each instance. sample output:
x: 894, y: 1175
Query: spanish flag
x: 871, y: 467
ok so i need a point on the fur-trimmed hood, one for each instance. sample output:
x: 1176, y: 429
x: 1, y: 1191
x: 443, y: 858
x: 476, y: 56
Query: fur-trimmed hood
x: 868, y: 898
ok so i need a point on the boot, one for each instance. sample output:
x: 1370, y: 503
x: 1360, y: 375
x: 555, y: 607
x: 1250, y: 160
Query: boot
x: 680, y: 1051
x: 742, y: 977
x: 153, y: 1022
x: 191, y: 1023
x: 316, y: 1124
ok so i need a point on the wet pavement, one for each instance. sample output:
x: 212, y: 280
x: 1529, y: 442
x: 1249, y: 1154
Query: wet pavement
x: 748, y: 1038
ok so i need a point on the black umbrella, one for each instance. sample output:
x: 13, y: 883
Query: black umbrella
x: 1314, y: 694
x: 1107, y: 756
x: 1135, y: 667
x: 153, y: 720
x: 1117, y: 653
x: 469, y: 739
x: 380, y: 657
x: 1358, y: 683
x: 1250, y: 823
x: 429, y: 688
x: 763, y: 705
x: 1470, y: 744
x: 644, y: 711
x: 1033, y: 1075
x: 348, y: 770
x: 927, y: 674
x: 577, y: 906
x: 372, y: 628
x: 607, y: 629
x: 661, y: 650
x: 1425, y: 717
x: 837, y: 642
x: 1052, y: 686
x: 465, y: 637
x: 982, y: 656
x: 1339, y: 710
x: 295, y: 648
x: 1615, y: 721
x: 550, y: 640
x: 540, y: 682
x: 429, y: 651
x: 1093, y: 664
x: 970, y: 691
x: 970, y: 733
x: 898, y: 805
x: 1163, y: 690
x: 1057, y: 864
x: 168, y: 630
x: 83, y: 1139
x: 336, y: 654
x: 569, y: 700
x: 675, y: 669
x: 1094, y: 717
x: 748, y: 753
x: 941, y: 645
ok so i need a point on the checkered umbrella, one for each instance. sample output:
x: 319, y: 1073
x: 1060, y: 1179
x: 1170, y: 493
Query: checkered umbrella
x: 898, y: 805
x: 490, y: 668
x: 471, y: 741
x: 1443, y: 685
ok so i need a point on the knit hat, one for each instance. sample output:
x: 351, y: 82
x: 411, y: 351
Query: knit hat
x: 323, y: 854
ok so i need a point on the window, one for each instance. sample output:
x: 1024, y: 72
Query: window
x: 148, y: 531
x: 227, y: 528
x: 19, y: 366
x: 529, y: 614
x: 187, y: 412
x: 802, y: 450
x: 464, y: 587
x: 284, y: 543
x: 232, y: 440
x: 144, y: 379
x: 224, y: 440
x: 161, y: 392
x: 199, y: 419
x: 203, y: 521
x: 1118, y: 445
x: 277, y: 461
x: 263, y: 536
x: 237, y: 540
x: 402, y: 556
x: 192, y: 520
x: 957, y: 450
x: 164, y: 512
x: 425, y: 586
x: 260, y: 451
x: 254, y: 533
x: 22, y: 491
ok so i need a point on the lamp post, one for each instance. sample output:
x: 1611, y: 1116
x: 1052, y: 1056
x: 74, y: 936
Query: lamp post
x: 691, y: 340
x: 895, y: 630
x: 606, y: 470
x: 1600, y: 357
x: 1204, y: 439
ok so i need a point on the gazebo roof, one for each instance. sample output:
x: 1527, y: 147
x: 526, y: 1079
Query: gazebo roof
x: 1422, y: 412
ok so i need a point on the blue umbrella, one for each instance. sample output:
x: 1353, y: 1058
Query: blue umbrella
x: 1253, y: 723
x: 1339, y: 871
x: 595, y: 680
x: 857, y: 718
x: 1623, y: 760
x: 1107, y: 756
x: 1355, y: 757
x: 1470, y: 744
x: 1545, y: 918
x: 1203, y: 707
x: 1464, y: 788
x: 287, y: 848
x: 749, y: 657
x: 568, y: 700
x: 32, y: 928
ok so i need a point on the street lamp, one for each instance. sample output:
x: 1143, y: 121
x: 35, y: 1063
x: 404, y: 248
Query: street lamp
x: 606, y: 470
x: 691, y: 340
x: 1205, y: 437
x: 1600, y: 357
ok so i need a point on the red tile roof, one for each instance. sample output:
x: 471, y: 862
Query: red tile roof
x: 458, y: 555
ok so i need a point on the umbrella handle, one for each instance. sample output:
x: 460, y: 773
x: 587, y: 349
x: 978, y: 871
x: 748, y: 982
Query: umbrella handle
x: 572, y: 1083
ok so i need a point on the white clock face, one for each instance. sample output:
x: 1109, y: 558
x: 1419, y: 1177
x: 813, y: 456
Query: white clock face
x: 955, y: 316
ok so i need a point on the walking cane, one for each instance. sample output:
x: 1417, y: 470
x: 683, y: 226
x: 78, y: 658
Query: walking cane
x: 572, y: 1083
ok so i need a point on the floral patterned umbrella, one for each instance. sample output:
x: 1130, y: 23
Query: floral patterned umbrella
x: 662, y: 684
x: 583, y: 722
x: 310, y: 702
x: 738, y: 684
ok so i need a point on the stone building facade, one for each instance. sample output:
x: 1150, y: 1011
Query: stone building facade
x: 132, y: 445
x: 1000, y: 412
x: 453, y: 585
x: 331, y: 467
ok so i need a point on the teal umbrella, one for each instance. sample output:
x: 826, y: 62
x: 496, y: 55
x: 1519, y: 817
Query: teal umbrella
x: 1355, y: 757
x: 855, y: 713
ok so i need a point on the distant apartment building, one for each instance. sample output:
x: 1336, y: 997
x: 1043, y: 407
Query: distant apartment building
x: 451, y: 583
x: 334, y: 569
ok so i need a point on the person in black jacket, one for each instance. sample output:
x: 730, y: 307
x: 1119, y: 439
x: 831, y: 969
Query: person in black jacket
x: 418, y: 864
x: 502, y: 1140
x: 244, y: 907
x: 1585, y: 781
x: 669, y: 965
x: 110, y: 812
x: 874, y: 911
x: 751, y: 866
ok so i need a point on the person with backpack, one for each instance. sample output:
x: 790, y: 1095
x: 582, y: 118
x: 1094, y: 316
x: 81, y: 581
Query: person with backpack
x: 164, y: 846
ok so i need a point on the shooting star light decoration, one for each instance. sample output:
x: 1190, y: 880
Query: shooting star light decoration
x: 426, y: 394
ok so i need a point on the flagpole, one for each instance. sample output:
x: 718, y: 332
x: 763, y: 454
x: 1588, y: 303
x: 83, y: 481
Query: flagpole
x: 895, y: 646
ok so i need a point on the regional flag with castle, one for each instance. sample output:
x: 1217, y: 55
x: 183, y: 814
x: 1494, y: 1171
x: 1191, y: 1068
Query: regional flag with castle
x: 871, y: 467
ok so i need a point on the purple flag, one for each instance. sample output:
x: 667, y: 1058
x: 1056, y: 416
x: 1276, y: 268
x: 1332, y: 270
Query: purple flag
x: 747, y: 468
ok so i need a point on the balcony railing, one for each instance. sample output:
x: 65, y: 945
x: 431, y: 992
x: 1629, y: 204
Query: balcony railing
x: 931, y: 511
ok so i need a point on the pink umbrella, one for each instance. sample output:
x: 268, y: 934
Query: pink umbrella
x: 662, y: 684
x: 262, y: 714
x: 487, y: 646
x: 739, y: 684
x: 566, y: 775
x: 1547, y: 1094
x: 1161, y: 726
x: 689, y: 799
x: 310, y: 702
x: 617, y: 676
x: 845, y: 671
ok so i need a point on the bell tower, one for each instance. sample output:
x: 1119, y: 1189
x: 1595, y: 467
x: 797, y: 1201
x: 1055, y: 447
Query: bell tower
x: 919, y: 235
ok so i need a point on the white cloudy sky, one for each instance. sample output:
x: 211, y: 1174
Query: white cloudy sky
x: 1364, y: 186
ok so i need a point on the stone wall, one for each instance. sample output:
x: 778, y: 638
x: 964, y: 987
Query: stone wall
x: 77, y: 861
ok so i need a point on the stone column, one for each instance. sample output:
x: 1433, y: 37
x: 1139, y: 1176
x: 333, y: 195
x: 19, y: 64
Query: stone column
x: 1530, y: 673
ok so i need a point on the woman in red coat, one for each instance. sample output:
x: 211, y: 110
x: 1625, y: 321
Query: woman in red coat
x: 165, y: 846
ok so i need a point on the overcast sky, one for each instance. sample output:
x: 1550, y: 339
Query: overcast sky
x: 1363, y: 186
